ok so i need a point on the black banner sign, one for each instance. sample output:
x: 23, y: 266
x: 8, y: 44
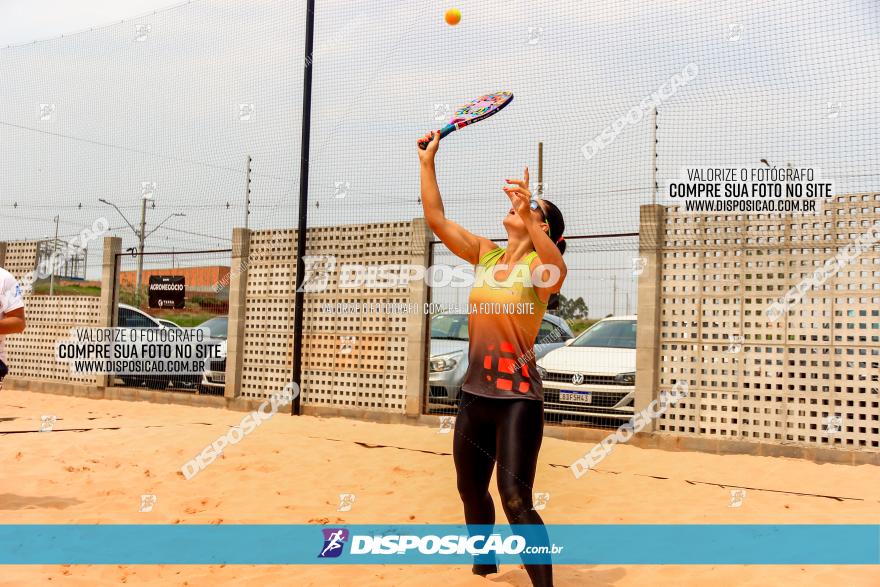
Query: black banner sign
x: 167, y: 291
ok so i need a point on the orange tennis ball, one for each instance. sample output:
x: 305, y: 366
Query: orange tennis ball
x: 452, y: 16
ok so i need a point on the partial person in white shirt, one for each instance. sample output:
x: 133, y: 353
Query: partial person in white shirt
x: 11, y: 315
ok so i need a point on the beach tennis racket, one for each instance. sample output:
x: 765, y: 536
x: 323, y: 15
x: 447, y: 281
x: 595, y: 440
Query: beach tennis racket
x: 474, y: 111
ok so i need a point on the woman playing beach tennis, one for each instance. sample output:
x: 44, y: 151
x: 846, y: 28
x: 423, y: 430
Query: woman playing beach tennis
x: 501, y: 409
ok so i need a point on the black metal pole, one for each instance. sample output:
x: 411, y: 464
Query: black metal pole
x: 299, y: 298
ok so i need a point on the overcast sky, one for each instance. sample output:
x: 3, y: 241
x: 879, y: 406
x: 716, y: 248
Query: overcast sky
x: 24, y: 21
x: 790, y: 81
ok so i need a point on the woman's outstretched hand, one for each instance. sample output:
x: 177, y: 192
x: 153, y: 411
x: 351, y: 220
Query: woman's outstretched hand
x: 427, y: 155
x: 520, y: 195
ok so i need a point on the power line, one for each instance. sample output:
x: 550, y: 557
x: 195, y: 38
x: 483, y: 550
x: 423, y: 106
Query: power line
x: 112, y: 229
x: 142, y: 152
x: 220, y: 238
x: 137, y: 207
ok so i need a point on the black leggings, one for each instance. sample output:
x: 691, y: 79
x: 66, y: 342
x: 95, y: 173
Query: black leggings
x: 508, y: 431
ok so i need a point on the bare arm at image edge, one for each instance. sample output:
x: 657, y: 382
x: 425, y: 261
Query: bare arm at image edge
x: 13, y: 322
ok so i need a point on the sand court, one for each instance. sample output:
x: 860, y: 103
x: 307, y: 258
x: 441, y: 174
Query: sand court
x: 102, y: 456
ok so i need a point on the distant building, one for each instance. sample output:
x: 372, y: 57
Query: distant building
x: 22, y: 257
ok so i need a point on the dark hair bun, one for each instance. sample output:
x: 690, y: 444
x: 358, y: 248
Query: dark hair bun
x: 556, y: 224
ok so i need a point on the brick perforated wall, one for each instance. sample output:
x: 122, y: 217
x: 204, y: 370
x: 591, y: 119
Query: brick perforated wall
x: 49, y: 320
x: 21, y: 258
x: 809, y: 378
x: 350, y: 360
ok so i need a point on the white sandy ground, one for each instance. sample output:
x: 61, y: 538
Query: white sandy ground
x: 292, y: 469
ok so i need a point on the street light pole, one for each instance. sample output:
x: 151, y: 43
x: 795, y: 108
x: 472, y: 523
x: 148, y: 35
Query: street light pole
x: 155, y: 228
x: 142, y: 235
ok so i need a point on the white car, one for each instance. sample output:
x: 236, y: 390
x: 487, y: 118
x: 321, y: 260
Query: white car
x: 594, y: 374
x: 131, y: 317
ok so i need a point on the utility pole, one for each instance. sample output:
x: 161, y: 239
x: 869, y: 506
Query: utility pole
x: 52, y: 258
x: 614, y: 295
x: 654, y: 186
x: 540, y: 170
x: 141, y: 237
x: 247, y: 192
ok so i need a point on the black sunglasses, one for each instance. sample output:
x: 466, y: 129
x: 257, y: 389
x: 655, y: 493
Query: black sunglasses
x: 534, y: 205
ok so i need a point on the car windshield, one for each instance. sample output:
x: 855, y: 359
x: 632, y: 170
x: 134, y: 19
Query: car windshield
x: 449, y: 327
x: 615, y: 334
x: 216, y: 327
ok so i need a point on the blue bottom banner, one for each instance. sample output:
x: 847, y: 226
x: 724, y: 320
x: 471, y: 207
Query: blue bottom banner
x: 565, y: 544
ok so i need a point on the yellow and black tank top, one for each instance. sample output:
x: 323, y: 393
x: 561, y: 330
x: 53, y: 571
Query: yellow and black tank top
x: 503, y: 323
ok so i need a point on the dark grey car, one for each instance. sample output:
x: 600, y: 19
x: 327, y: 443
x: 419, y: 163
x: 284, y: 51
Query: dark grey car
x: 449, y: 353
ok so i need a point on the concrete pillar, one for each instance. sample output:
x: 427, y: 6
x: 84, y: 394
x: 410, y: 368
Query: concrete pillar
x: 241, y: 247
x: 418, y: 323
x: 651, y: 236
x: 107, y: 313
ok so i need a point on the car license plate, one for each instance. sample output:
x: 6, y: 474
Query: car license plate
x: 576, y: 397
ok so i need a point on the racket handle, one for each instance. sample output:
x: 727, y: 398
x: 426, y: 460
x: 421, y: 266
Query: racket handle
x: 443, y: 132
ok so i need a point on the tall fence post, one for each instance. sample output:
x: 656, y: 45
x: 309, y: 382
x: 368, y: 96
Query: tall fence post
x: 109, y: 292
x: 241, y: 246
x: 417, y: 323
x: 649, y: 292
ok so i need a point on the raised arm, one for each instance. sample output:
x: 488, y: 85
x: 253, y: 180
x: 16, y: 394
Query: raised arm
x: 460, y: 241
